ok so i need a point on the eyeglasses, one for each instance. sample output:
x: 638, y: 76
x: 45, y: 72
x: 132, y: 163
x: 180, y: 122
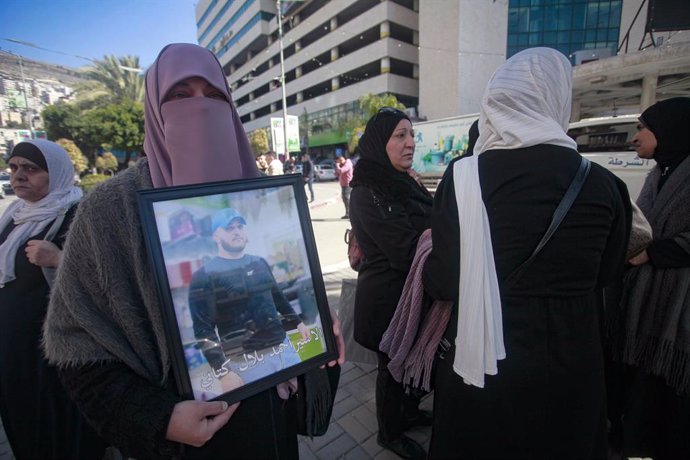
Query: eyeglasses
x: 390, y: 111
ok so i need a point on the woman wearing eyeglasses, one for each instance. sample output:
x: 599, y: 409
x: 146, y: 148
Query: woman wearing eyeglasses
x: 389, y: 210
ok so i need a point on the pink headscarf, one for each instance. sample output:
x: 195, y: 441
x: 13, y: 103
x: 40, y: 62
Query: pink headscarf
x: 193, y: 140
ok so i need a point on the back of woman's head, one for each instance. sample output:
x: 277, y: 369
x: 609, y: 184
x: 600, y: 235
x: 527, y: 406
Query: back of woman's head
x: 192, y: 139
x: 380, y: 127
x: 527, y: 102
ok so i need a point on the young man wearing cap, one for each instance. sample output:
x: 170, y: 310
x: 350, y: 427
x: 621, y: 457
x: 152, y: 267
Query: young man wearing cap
x: 236, y: 307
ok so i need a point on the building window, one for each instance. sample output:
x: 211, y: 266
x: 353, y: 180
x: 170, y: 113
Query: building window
x: 567, y: 25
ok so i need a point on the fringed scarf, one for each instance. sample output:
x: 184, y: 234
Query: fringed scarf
x: 656, y: 301
x: 410, y: 347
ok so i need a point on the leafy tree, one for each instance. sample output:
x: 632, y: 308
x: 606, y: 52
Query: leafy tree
x: 79, y: 161
x: 90, y: 181
x: 120, y: 127
x: 115, y: 126
x: 258, y: 140
x: 369, y: 105
x: 106, y: 162
x: 60, y: 120
x: 117, y: 78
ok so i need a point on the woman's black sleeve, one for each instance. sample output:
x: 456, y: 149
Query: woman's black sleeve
x: 125, y: 410
x: 442, y: 269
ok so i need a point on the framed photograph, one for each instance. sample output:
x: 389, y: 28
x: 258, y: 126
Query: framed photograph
x: 240, y: 284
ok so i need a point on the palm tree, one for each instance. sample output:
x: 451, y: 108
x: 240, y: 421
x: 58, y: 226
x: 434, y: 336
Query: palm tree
x: 116, y: 78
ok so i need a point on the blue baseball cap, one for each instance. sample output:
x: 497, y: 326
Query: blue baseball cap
x: 223, y: 218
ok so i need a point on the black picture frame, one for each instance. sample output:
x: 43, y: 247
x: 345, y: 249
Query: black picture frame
x: 216, y: 306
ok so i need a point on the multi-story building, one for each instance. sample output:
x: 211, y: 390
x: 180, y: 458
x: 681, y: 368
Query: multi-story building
x: 435, y: 56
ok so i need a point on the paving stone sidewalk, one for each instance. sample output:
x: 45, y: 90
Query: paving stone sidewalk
x: 353, y: 428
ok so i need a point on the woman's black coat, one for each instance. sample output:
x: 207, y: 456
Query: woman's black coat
x: 387, y: 230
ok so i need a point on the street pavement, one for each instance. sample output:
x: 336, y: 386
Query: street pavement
x: 353, y: 428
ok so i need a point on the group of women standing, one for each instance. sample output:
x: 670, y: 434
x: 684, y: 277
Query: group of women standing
x: 524, y: 377
x: 525, y: 374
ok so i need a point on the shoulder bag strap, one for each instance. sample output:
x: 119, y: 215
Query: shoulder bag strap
x: 558, y: 215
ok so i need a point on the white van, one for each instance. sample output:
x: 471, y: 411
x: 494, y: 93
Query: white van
x: 607, y: 141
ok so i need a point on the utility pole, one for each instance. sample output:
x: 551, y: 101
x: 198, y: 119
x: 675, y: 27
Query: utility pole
x: 282, y: 77
x: 26, y: 100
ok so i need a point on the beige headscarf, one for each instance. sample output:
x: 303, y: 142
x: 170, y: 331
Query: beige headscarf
x: 527, y: 102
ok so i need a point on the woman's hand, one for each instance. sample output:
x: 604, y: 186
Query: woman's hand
x: 43, y: 253
x: 195, y: 422
x: 340, y: 342
x: 641, y: 258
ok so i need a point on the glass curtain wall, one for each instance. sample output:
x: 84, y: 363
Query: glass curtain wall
x: 566, y: 25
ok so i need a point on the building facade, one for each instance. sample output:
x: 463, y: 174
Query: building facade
x: 434, y: 56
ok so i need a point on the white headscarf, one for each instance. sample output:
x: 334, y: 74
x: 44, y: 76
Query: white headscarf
x: 31, y: 218
x: 527, y: 102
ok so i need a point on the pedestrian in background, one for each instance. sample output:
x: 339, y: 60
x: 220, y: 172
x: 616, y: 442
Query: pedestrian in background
x: 290, y: 166
x: 525, y: 377
x: 389, y: 211
x: 653, y: 329
x: 308, y: 174
x: 275, y: 166
x: 344, y: 169
x: 39, y: 418
x: 262, y: 164
x: 104, y: 327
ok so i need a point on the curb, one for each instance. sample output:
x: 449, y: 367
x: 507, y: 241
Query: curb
x: 326, y: 202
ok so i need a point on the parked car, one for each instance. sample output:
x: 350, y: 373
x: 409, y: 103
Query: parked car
x: 5, y: 187
x: 325, y: 161
x: 323, y: 172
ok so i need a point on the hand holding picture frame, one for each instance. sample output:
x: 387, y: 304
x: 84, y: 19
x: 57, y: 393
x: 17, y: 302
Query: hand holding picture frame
x: 244, y: 304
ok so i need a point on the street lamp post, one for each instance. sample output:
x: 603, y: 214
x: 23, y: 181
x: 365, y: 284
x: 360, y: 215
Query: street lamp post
x: 282, y: 78
x: 26, y: 100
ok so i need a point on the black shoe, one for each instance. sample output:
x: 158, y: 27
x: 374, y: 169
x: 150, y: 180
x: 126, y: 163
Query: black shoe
x: 345, y: 217
x: 423, y: 418
x: 404, y: 447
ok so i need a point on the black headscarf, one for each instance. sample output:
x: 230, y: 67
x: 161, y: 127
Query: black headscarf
x: 669, y: 120
x: 472, y: 137
x: 374, y: 169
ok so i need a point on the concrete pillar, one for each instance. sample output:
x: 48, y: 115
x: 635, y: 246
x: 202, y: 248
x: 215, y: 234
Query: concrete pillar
x: 415, y: 37
x: 415, y: 5
x: 300, y: 97
x: 298, y: 71
x: 335, y: 83
x: 250, y: 55
x: 252, y: 116
x: 251, y: 96
x: 334, y: 24
x: 334, y: 54
x: 270, y: 63
x: 648, y: 96
x: 385, y: 65
x: 575, y: 111
x: 385, y: 29
x: 274, y: 107
x: 298, y: 46
x: 415, y: 71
